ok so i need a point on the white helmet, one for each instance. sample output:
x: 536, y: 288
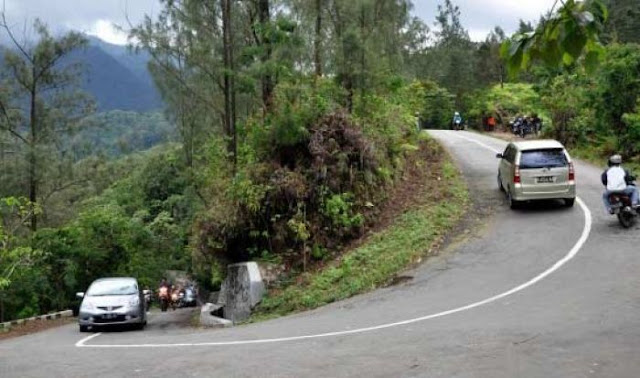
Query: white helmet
x: 615, y: 159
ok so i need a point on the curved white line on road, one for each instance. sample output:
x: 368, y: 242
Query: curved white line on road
x: 572, y: 253
x: 81, y: 342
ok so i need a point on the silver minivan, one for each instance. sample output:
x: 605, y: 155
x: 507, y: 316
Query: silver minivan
x: 536, y: 170
x: 112, y: 301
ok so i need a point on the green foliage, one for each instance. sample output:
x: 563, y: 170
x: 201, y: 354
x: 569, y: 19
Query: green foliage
x: 618, y: 89
x: 384, y: 254
x: 139, y: 226
x: 438, y: 106
x: 506, y: 101
x: 565, y: 99
x: 624, y: 21
x: 632, y: 121
x: 15, y: 213
x: 567, y: 35
x: 42, y: 107
x: 338, y: 208
x: 117, y: 133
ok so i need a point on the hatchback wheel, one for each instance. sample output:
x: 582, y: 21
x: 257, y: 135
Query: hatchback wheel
x: 568, y: 202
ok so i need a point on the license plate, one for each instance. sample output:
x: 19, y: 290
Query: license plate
x: 109, y: 316
x: 545, y: 179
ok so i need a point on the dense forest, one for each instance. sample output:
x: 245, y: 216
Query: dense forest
x: 286, y: 124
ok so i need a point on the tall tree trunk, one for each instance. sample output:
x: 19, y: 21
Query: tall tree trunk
x: 264, y: 16
x: 33, y: 180
x: 229, y: 91
x: 317, y: 43
x: 363, y: 62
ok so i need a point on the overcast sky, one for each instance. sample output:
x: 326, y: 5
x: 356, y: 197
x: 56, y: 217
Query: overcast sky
x: 96, y: 17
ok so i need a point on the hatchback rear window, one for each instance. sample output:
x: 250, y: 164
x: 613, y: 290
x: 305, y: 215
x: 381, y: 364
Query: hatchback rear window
x: 547, y: 158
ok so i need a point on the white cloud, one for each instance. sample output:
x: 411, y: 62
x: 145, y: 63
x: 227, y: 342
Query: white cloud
x: 95, y: 17
x: 479, y: 17
x: 106, y: 31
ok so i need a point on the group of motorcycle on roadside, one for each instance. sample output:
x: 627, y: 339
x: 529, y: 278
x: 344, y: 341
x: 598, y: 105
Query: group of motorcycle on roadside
x: 520, y: 125
x: 173, y: 296
x: 523, y: 126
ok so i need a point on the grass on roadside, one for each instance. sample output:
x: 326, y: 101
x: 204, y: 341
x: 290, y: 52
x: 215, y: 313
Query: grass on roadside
x: 411, y: 236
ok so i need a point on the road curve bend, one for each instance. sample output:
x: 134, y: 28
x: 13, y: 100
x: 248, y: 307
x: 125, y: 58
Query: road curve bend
x: 543, y: 291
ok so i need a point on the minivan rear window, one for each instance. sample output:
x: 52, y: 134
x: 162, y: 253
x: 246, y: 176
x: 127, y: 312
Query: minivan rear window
x: 544, y: 158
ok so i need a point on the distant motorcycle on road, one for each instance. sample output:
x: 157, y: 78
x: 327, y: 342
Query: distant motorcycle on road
x: 458, y: 125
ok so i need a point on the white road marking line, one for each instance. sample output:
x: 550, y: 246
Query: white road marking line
x: 572, y: 253
x: 478, y: 142
x: 81, y: 342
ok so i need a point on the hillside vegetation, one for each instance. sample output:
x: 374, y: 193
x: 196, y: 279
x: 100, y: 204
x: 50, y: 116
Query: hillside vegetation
x: 289, y: 126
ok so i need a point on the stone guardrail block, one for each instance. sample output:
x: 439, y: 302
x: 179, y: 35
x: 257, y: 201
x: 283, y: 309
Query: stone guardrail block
x: 243, y: 290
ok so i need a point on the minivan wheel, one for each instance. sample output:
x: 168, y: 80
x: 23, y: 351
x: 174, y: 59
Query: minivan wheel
x: 500, y: 183
x: 568, y: 202
x: 513, y: 204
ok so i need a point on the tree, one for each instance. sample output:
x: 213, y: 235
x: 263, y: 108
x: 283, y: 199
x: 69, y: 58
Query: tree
x: 229, y: 80
x: 623, y: 22
x: 14, y: 213
x: 453, y: 52
x: 560, y: 39
x: 39, y: 102
x: 616, y: 94
x: 490, y: 67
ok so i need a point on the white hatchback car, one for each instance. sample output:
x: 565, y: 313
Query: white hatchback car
x: 536, y: 170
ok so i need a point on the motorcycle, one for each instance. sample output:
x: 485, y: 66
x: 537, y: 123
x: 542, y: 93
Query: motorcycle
x: 457, y: 125
x: 623, y: 209
x: 147, y: 298
x: 176, y: 299
x: 164, y: 298
x: 189, y: 299
x: 525, y: 129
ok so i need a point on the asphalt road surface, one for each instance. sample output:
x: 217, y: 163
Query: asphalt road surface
x: 544, y: 291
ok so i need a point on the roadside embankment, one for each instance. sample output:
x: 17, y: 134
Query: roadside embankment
x: 428, y: 202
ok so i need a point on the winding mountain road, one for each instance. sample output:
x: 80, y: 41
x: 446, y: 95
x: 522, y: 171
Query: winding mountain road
x: 544, y: 291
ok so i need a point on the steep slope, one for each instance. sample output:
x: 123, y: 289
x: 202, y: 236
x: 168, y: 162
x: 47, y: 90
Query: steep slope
x: 114, y: 85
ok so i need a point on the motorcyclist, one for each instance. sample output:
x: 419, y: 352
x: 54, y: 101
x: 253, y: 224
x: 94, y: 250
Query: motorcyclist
x: 165, y: 283
x: 536, y: 122
x: 457, y: 119
x: 618, y: 180
x: 164, y: 293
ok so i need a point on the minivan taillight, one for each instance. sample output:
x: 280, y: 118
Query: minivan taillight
x: 516, y: 175
x: 572, y: 172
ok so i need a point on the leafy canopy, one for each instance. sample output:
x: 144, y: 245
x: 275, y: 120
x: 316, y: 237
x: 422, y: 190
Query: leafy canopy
x: 565, y: 36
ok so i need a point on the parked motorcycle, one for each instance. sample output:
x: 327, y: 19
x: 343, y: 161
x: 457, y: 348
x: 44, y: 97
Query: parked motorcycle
x: 525, y: 129
x: 516, y: 124
x: 147, y: 298
x: 190, y: 298
x: 623, y: 209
